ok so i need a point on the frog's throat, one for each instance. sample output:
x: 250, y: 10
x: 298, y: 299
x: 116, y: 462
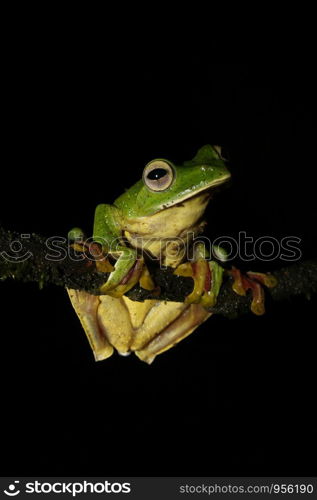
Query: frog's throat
x: 167, y: 234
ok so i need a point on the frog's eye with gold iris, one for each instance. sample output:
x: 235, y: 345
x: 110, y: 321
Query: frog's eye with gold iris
x: 158, y: 175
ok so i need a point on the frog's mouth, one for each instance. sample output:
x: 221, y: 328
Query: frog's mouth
x: 202, y: 196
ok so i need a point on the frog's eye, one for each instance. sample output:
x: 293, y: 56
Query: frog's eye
x: 158, y: 175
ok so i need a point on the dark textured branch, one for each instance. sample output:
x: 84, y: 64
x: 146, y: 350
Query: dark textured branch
x: 296, y: 279
x: 35, y: 258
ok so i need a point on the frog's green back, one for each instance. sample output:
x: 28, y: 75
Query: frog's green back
x: 206, y: 155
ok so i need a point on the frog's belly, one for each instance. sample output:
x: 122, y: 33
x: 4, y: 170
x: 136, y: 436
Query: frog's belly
x: 147, y: 328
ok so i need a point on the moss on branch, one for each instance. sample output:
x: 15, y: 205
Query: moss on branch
x: 38, y: 259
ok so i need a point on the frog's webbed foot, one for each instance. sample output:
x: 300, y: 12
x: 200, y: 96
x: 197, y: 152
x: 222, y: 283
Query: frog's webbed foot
x: 207, y: 276
x: 254, y: 282
x: 92, y: 250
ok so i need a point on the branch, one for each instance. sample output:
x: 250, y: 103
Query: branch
x: 37, y: 259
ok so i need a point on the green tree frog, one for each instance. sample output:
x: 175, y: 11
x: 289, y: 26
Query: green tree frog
x: 156, y: 218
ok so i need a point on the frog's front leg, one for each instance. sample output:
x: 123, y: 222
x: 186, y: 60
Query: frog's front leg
x: 126, y: 273
x: 128, y: 267
x: 207, y: 276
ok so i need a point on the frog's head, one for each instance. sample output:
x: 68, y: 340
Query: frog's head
x: 164, y: 184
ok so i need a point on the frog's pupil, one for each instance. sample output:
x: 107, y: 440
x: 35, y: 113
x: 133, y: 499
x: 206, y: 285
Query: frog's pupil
x: 157, y: 173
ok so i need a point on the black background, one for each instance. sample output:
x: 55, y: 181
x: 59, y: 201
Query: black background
x: 236, y: 397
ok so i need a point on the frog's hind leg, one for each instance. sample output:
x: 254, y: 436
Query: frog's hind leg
x: 180, y: 328
x: 115, y: 322
x: 86, y: 307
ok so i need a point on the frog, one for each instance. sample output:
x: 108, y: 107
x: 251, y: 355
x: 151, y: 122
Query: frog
x: 158, y: 218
